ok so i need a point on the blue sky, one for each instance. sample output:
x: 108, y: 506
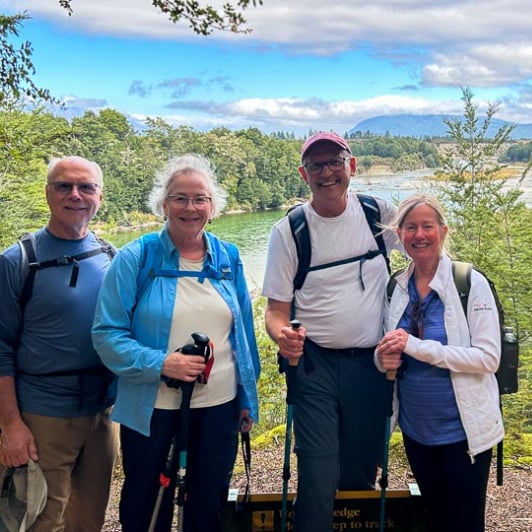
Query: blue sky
x: 308, y: 64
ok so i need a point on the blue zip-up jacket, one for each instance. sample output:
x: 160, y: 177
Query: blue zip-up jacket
x: 132, y: 325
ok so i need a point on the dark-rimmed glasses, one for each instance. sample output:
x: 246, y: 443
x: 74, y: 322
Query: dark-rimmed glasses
x: 183, y: 201
x: 333, y: 164
x: 64, y: 187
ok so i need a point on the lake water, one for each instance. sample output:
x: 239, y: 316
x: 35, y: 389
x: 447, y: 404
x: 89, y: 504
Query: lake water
x: 250, y: 231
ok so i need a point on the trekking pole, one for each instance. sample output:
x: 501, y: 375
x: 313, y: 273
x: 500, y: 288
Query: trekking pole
x: 179, y: 443
x: 291, y: 382
x: 390, y: 380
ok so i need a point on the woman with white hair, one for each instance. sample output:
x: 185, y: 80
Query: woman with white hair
x: 163, y: 288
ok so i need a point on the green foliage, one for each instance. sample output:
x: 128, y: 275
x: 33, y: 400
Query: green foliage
x: 491, y: 228
x: 405, y: 153
x: 203, y: 20
x: 16, y: 66
x: 258, y: 171
x: 271, y: 386
x: 520, y: 152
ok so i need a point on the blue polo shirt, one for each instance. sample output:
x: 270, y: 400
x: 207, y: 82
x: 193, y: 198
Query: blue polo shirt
x: 427, y: 406
x: 54, y: 334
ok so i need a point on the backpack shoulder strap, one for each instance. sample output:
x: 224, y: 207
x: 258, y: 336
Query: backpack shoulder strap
x: 373, y: 217
x: 148, y: 247
x: 392, y: 281
x: 300, y: 233
x: 462, y: 280
x: 107, y: 247
x: 28, y: 266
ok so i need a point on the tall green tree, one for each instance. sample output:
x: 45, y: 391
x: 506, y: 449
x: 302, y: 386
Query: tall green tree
x: 491, y: 228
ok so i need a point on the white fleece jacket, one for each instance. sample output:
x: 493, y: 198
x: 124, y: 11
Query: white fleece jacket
x: 472, y: 354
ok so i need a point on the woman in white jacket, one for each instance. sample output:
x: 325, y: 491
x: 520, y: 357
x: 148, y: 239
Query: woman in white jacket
x: 445, y: 362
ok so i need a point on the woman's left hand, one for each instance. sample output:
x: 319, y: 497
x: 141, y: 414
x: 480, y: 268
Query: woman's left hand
x: 390, y: 348
x: 246, y: 423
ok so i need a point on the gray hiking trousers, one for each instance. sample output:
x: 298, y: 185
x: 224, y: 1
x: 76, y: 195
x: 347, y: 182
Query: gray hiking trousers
x: 339, y: 426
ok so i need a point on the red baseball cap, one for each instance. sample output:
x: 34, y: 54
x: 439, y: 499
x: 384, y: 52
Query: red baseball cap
x: 320, y: 136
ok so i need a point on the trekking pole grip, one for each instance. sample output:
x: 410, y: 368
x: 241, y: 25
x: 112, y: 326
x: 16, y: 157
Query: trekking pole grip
x: 295, y: 324
x: 391, y: 374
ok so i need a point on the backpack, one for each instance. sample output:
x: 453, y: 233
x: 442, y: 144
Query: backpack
x: 300, y: 233
x: 150, y: 251
x: 30, y: 264
x: 507, y: 373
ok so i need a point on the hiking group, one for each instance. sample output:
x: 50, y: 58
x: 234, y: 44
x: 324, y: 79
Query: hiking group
x: 159, y: 338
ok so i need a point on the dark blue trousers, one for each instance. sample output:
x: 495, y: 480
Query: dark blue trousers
x: 212, y: 448
x: 452, y: 488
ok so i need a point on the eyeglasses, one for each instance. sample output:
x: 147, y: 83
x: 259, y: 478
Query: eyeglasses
x: 183, y: 201
x: 416, y: 315
x: 64, y: 187
x: 333, y: 165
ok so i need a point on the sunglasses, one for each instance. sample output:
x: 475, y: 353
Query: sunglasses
x: 416, y: 323
x: 64, y: 187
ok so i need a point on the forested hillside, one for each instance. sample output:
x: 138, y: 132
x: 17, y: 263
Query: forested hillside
x: 258, y: 171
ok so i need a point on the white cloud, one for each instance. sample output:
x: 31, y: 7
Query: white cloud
x: 484, y: 66
x: 445, y: 43
x: 488, y: 42
x: 293, y: 114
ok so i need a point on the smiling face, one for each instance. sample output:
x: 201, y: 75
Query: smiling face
x: 329, y: 185
x: 187, y: 219
x: 74, y: 195
x: 422, y: 233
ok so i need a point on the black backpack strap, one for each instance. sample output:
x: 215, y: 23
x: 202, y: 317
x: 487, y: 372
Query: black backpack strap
x: 107, y: 247
x: 300, y: 233
x: 392, y: 281
x: 462, y: 280
x: 373, y: 217
x: 28, y: 263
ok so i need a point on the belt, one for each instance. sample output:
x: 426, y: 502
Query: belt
x: 348, y: 352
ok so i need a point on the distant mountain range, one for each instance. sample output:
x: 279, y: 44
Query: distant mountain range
x: 409, y: 125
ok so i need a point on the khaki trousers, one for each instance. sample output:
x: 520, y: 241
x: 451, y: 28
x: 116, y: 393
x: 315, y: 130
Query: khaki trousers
x: 77, y: 456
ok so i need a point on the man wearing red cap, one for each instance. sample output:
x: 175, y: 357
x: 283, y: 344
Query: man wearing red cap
x: 339, y: 410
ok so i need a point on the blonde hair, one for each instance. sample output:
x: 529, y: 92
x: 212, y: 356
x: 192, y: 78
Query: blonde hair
x: 410, y: 203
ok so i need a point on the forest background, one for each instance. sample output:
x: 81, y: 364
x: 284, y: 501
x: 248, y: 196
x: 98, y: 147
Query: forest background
x: 491, y: 225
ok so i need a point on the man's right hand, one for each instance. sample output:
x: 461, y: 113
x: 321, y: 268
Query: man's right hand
x: 289, y: 339
x: 17, y: 445
x: 291, y: 342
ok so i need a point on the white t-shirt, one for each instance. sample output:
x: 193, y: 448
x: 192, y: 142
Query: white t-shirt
x: 332, y: 304
x: 199, y: 307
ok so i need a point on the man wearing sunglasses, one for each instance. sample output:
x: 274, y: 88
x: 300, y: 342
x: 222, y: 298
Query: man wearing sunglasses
x: 339, y: 410
x: 55, y: 395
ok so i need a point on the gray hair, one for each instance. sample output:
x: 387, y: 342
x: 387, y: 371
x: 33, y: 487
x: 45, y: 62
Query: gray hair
x: 96, y: 170
x: 191, y: 162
